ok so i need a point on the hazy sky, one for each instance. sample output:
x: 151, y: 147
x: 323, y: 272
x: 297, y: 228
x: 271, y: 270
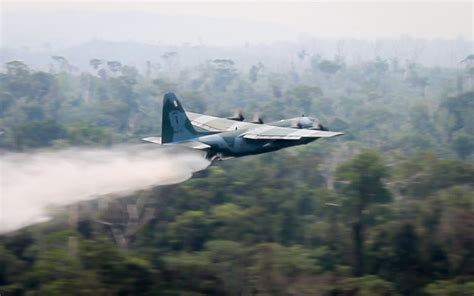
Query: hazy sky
x: 228, y: 23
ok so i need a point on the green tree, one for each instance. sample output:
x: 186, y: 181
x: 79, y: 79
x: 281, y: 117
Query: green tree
x: 456, y: 287
x: 364, y: 186
x: 406, y: 261
x: 463, y: 144
x: 37, y: 134
x: 190, y: 230
x: 369, y: 285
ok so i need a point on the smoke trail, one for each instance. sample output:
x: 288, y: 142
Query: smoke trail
x: 31, y: 182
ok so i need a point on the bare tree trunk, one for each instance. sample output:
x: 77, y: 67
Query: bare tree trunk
x: 358, y: 236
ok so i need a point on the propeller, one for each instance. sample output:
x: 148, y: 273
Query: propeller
x: 317, y: 125
x: 237, y: 116
x: 323, y: 128
x: 295, y: 123
x: 257, y: 118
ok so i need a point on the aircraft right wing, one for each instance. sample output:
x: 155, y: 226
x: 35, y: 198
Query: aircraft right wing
x: 216, y: 124
x: 268, y: 132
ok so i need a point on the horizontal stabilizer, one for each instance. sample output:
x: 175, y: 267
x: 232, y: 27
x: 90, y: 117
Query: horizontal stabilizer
x: 155, y: 140
x: 193, y: 145
x: 188, y: 144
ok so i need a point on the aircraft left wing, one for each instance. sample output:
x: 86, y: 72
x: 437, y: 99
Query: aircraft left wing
x: 216, y: 124
x: 268, y: 132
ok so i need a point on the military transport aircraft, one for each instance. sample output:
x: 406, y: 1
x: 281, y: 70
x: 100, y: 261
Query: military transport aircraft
x: 224, y: 138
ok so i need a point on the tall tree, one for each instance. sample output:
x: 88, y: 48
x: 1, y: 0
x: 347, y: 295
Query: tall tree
x: 363, y: 185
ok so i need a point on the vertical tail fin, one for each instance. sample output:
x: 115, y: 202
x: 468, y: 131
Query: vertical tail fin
x: 175, y: 124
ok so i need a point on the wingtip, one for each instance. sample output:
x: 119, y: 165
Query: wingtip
x: 336, y: 134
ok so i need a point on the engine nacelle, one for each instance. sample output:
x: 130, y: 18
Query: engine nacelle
x: 257, y: 119
x: 307, y: 123
x: 237, y: 116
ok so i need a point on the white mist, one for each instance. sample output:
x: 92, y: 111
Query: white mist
x: 31, y: 182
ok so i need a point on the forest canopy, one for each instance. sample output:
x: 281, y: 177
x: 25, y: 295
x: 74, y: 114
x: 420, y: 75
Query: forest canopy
x: 387, y: 209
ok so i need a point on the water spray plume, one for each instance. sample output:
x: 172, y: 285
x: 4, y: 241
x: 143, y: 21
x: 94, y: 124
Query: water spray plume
x: 32, y: 182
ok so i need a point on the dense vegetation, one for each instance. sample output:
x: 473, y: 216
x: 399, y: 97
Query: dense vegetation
x: 387, y: 209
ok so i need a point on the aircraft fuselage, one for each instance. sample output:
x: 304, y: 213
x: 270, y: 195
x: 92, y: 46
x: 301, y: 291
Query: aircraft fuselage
x: 232, y: 144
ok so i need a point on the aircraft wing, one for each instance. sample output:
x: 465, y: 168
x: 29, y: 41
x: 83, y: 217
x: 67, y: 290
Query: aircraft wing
x: 216, y: 124
x: 268, y: 132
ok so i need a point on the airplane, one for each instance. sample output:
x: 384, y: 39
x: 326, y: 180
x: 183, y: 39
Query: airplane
x: 224, y: 138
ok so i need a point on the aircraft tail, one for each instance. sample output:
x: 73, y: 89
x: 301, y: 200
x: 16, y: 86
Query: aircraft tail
x: 175, y: 125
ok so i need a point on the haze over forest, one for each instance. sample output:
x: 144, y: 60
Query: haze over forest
x: 246, y: 32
